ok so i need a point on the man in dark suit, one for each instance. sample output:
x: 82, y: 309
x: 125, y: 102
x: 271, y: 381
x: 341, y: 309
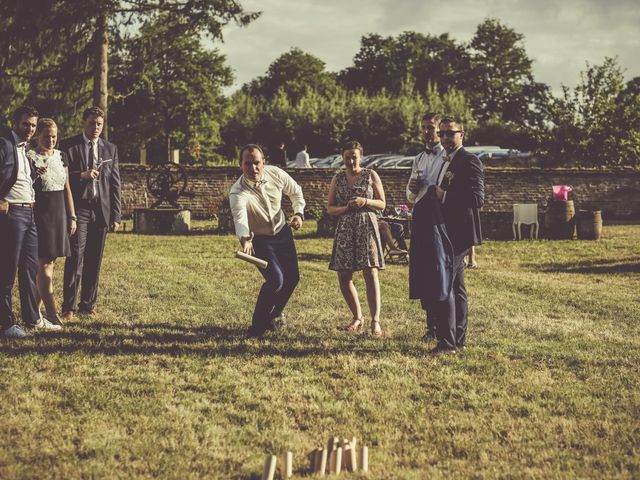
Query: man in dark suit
x: 279, y: 156
x: 461, y: 192
x: 18, y: 234
x: 94, y: 178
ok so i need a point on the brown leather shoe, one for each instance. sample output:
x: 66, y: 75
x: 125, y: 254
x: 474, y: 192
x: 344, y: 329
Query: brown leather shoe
x: 67, y: 316
x: 90, y: 312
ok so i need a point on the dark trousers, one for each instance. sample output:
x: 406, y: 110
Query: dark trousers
x: 18, y: 254
x: 82, y: 268
x: 451, y: 314
x: 281, y: 275
x: 430, y: 317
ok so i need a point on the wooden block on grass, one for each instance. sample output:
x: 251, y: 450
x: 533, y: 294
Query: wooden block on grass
x: 286, y: 465
x: 363, y: 460
x: 269, y: 469
x: 322, y: 468
x: 338, y: 461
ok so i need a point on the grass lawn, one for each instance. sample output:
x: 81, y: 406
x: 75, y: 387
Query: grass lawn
x: 162, y: 385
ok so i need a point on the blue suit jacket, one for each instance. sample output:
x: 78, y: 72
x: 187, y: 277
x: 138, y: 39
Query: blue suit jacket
x: 464, y: 198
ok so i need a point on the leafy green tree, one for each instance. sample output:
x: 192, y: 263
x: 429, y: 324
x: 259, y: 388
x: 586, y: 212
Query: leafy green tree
x: 501, y: 81
x: 389, y: 62
x: 168, y: 93
x: 67, y: 42
x: 294, y: 72
x: 597, y: 123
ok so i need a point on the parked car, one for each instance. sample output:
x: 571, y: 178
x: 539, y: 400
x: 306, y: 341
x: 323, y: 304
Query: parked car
x: 478, y: 149
x: 369, y: 159
x: 402, y: 162
x: 383, y: 161
x: 501, y: 153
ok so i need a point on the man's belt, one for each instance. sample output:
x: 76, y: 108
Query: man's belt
x: 23, y: 205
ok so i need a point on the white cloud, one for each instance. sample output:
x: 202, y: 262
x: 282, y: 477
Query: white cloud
x: 559, y: 36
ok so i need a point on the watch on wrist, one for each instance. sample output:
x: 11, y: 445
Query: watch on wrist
x: 301, y: 215
x: 73, y: 218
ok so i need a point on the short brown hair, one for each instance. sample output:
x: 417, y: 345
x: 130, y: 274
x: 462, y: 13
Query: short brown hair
x: 353, y: 145
x: 432, y: 116
x: 27, y: 110
x: 97, y: 111
x: 249, y: 147
x: 456, y: 120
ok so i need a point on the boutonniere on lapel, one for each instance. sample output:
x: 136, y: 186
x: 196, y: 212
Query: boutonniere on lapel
x: 448, y: 178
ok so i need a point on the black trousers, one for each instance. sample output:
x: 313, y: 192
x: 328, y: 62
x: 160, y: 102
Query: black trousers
x: 451, y: 314
x: 82, y: 268
x: 18, y: 255
x: 281, y: 275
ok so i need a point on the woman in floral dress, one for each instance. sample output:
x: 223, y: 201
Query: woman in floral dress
x: 54, y: 212
x: 354, y: 196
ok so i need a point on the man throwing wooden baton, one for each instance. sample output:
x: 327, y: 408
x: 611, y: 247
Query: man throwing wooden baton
x: 264, y: 232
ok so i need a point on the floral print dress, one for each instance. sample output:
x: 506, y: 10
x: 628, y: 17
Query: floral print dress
x: 356, y: 244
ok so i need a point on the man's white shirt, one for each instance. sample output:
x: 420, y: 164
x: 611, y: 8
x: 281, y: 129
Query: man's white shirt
x: 22, y: 191
x: 256, y: 206
x: 428, y: 163
x: 302, y: 159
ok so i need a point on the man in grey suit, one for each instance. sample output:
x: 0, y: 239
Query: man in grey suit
x: 94, y: 177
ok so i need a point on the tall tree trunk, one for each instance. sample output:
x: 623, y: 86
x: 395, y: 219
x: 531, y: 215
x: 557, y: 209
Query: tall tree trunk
x: 101, y: 67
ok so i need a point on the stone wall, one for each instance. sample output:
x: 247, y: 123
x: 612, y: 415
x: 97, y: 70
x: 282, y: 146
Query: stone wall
x: 615, y: 192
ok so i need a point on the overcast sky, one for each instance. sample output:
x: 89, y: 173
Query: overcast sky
x: 559, y: 35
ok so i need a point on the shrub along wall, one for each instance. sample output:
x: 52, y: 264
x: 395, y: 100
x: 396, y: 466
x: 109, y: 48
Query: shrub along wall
x: 615, y: 192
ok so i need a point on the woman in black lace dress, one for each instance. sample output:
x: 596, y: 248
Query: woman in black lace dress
x: 54, y: 212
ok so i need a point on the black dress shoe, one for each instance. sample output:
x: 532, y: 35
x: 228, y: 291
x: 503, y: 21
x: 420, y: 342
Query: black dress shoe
x: 429, y: 336
x: 255, y: 332
x: 276, y: 323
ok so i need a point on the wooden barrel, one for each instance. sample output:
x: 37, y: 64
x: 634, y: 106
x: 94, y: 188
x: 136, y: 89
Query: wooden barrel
x: 559, y: 220
x: 589, y: 224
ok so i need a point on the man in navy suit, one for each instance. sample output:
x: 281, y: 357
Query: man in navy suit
x: 18, y: 234
x: 460, y: 190
x: 94, y: 177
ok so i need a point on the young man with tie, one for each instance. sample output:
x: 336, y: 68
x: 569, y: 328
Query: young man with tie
x: 460, y: 191
x: 94, y: 177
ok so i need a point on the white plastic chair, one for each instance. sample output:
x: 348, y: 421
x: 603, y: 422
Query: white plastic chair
x: 527, y: 214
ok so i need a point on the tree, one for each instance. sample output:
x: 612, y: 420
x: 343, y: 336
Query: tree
x: 388, y: 63
x: 168, y: 92
x: 597, y: 123
x: 294, y: 72
x: 501, y: 80
x: 77, y: 45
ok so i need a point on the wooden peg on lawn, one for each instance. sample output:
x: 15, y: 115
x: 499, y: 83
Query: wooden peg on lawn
x: 363, y: 459
x: 335, y: 461
x: 322, y: 466
x: 269, y: 469
x: 346, y: 455
x: 313, y: 464
x: 286, y: 465
x: 331, y: 462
